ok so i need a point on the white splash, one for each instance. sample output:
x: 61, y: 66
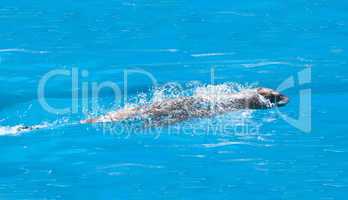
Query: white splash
x: 221, y: 93
x: 19, y: 129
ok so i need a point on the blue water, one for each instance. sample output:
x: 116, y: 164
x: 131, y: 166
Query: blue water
x: 249, y: 42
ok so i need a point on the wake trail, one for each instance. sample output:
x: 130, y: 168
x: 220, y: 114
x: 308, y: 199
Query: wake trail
x: 21, y: 129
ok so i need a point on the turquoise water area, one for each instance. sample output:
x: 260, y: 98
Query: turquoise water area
x: 260, y: 43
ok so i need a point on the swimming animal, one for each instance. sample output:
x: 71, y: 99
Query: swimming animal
x: 170, y: 111
x: 178, y: 109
